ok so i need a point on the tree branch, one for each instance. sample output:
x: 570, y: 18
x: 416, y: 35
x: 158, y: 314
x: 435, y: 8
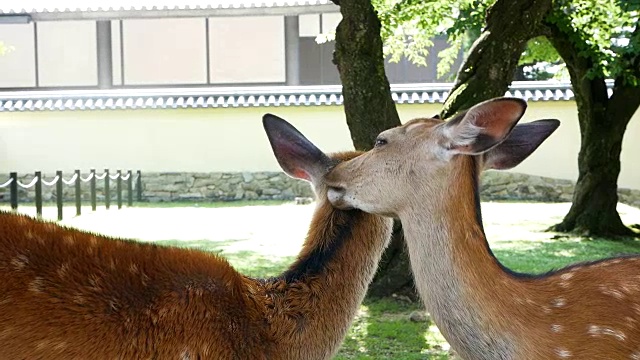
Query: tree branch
x: 493, y: 59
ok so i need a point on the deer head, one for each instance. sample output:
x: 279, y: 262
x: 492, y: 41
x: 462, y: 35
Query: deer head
x: 422, y: 155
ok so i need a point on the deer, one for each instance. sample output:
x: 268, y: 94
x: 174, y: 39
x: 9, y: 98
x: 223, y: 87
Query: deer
x: 70, y: 294
x: 425, y: 173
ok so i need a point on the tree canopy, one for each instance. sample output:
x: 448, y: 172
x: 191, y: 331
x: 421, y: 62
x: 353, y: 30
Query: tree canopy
x: 605, y: 28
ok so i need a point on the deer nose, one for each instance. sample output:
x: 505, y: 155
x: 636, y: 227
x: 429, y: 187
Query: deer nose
x: 336, y: 195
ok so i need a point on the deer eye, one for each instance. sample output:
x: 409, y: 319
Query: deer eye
x: 380, y: 142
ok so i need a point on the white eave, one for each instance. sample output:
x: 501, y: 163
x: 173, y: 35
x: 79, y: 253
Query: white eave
x: 52, y: 10
x: 235, y: 97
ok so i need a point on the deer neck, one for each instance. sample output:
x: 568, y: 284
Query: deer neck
x: 322, y: 291
x: 454, y: 268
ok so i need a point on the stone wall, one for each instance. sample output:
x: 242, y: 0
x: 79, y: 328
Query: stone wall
x: 223, y: 186
x: 495, y: 185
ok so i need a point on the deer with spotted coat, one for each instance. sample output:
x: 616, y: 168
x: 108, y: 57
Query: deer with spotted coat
x: 425, y: 173
x: 69, y: 294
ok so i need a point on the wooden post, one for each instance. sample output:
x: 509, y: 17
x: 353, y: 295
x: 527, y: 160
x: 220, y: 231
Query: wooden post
x: 119, y: 189
x: 59, y: 194
x: 78, y: 194
x: 92, y: 183
x: 130, y: 189
x: 14, y: 190
x: 139, y: 186
x: 107, y: 191
x: 39, y: 193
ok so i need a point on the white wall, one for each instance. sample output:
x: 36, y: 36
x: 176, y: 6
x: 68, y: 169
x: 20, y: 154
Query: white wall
x: 164, y: 51
x: 17, y: 67
x: 247, y: 49
x: 232, y: 139
x: 67, y: 54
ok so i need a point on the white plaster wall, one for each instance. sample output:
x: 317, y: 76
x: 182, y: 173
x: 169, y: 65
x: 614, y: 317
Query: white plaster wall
x: 67, y: 54
x: 17, y: 67
x: 233, y: 139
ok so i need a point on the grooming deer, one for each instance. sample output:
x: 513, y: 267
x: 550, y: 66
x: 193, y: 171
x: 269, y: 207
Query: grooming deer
x: 425, y: 172
x: 69, y: 294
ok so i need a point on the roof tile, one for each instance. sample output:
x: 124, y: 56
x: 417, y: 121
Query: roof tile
x: 274, y: 96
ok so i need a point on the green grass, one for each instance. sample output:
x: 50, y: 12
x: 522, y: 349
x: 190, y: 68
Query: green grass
x: 542, y: 256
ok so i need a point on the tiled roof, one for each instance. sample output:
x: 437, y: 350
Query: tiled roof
x: 83, y: 9
x: 248, y: 96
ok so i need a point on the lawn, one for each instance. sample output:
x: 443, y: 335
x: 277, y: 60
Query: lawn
x: 261, y: 240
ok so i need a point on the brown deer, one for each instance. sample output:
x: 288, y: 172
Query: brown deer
x: 425, y: 172
x: 69, y: 294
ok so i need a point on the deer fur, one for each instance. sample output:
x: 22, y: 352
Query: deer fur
x: 426, y: 174
x: 69, y: 294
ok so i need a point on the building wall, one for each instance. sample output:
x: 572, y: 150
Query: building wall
x: 233, y: 140
x: 182, y: 51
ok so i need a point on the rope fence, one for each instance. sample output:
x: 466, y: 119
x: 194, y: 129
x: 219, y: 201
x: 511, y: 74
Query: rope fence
x: 76, y: 181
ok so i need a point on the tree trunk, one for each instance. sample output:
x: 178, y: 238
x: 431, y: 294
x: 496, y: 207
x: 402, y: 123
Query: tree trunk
x: 370, y: 109
x: 492, y: 62
x: 603, y: 121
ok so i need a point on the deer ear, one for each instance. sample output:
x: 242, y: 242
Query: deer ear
x: 483, y: 126
x: 523, y: 140
x: 297, y: 156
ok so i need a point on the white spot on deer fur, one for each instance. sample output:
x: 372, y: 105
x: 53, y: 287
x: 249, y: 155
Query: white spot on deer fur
x: 629, y: 288
x: 635, y: 355
x: 611, y: 292
x: 68, y: 239
x: 185, y: 355
x: 5, y: 300
x: 559, y: 302
x: 5, y: 331
x: 63, y: 270
x: 60, y: 345
x: 133, y: 268
x: 36, y: 284
x: 94, y: 280
x: 145, y: 279
x: 205, y: 349
x: 79, y: 299
x: 563, y: 353
x: 20, y: 262
x: 556, y: 328
x: 42, y: 344
x: 595, y: 330
x: 566, y: 276
x: 113, y: 304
